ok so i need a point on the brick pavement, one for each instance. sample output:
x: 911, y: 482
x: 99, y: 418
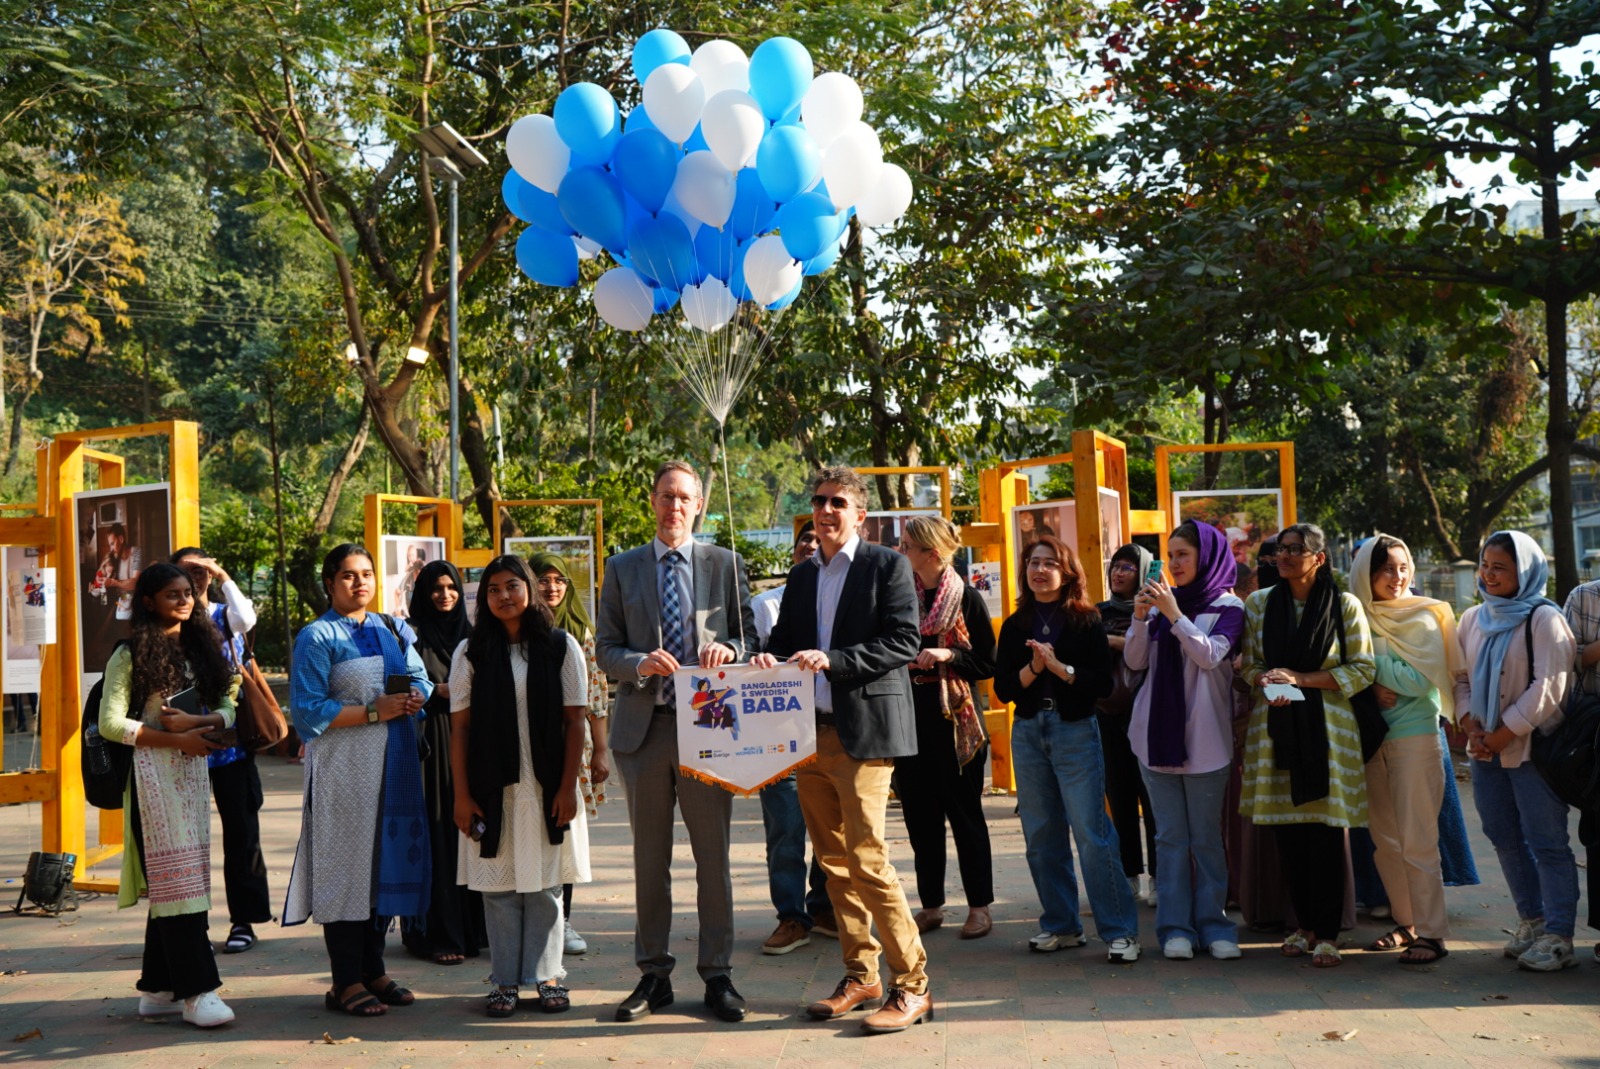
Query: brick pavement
x: 998, y: 1005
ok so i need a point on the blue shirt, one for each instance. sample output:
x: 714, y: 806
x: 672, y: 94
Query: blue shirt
x: 331, y: 639
x: 830, y: 585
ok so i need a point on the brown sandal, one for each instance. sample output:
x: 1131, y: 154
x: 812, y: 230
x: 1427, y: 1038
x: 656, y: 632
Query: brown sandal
x: 391, y: 993
x: 1397, y: 938
x: 359, y: 1003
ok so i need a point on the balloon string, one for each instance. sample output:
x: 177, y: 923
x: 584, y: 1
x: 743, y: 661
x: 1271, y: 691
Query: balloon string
x: 733, y: 535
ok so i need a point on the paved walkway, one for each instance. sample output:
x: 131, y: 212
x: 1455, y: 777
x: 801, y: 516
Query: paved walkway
x: 997, y: 1004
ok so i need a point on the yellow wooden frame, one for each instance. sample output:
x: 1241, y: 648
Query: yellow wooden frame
x: 437, y: 517
x: 558, y: 502
x: 1163, y: 458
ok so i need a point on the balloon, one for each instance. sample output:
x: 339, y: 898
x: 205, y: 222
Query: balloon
x: 705, y: 188
x: 780, y: 73
x: 587, y: 250
x: 636, y: 120
x: 753, y: 209
x: 548, y: 258
x: 715, y: 251
x: 646, y: 164
x: 656, y: 48
x: 832, y: 105
x: 592, y: 203
x: 808, y: 224
x: 851, y: 164
x: 664, y: 299
x: 721, y: 65
x: 788, y: 162
x: 733, y: 127
x: 769, y: 270
x: 888, y: 200
x: 623, y: 300
x: 790, y: 117
x: 708, y: 305
x: 673, y: 98
x: 823, y: 260
x: 786, y: 300
x: 736, y: 282
x: 673, y: 206
x: 536, y: 150
x: 697, y: 141
x: 663, y: 252
x: 531, y: 204
x: 589, y: 121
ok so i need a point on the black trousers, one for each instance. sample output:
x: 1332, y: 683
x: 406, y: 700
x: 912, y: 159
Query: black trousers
x: 1311, y: 859
x: 237, y: 789
x: 355, y: 950
x: 933, y: 789
x: 1126, y: 795
x: 177, y: 957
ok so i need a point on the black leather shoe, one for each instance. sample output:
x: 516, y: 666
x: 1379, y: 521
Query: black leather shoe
x: 723, y: 1000
x: 653, y: 993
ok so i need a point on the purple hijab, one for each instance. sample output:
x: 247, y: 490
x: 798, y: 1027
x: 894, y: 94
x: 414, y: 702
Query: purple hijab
x: 1169, y: 711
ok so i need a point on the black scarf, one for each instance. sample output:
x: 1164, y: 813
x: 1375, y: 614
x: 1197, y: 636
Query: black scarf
x: 493, y: 761
x: 438, y: 631
x: 1299, y: 730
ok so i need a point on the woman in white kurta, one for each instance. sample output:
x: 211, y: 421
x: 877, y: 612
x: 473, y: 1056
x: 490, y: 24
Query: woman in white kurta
x: 519, y: 694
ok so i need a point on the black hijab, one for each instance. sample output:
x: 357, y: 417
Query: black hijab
x: 1299, y: 730
x: 1267, y: 574
x: 439, y: 631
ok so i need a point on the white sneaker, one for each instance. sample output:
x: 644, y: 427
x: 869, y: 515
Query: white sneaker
x: 1178, y: 948
x: 1224, y: 950
x: 1523, y: 938
x: 1046, y: 942
x: 206, y: 1010
x: 1549, y: 953
x: 160, y: 1004
x: 574, y: 941
x: 1125, y: 951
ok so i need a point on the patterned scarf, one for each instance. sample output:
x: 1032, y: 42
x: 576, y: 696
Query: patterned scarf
x: 404, y: 884
x: 945, y: 619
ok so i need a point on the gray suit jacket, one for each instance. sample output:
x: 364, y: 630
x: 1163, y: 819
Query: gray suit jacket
x: 629, y: 627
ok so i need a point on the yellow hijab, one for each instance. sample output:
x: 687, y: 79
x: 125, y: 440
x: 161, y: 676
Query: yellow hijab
x: 1420, y: 631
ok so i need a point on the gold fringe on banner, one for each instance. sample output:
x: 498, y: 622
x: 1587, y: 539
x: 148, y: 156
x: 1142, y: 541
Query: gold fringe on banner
x: 710, y: 780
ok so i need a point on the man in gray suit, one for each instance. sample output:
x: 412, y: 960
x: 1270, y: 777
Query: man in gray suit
x: 666, y: 605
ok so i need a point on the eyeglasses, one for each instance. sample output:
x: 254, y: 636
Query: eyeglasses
x: 1124, y: 566
x: 1295, y: 549
x: 839, y: 503
x: 1047, y: 563
x: 545, y: 582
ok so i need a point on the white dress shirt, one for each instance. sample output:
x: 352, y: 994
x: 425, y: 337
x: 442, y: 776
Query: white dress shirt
x: 830, y: 585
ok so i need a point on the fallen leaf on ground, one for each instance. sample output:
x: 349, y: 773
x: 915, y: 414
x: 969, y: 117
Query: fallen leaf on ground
x: 1495, y: 998
x: 1341, y: 1037
x: 23, y: 1037
x: 1481, y: 1035
x: 330, y: 1041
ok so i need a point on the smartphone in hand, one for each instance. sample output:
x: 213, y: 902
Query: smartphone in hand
x: 1153, y: 572
x: 475, y: 833
x: 396, y: 683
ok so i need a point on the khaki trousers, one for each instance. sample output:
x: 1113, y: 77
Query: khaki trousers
x: 1405, y: 789
x: 845, y: 803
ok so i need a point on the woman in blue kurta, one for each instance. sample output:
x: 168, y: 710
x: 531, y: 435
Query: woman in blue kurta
x: 363, y: 857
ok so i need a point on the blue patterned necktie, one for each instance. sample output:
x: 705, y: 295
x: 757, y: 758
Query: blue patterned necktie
x: 672, y: 638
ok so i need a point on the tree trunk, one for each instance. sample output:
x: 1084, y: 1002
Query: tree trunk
x: 30, y: 383
x: 1560, y: 434
x: 277, y: 508
x: 475, y: 453
x: 305, y: 566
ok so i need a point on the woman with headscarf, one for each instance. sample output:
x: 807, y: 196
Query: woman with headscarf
x: 1414, y: 643
x: 1182, y: 733
x: 1502, y: 698
x: 1303, y: 771
x: 553, y: 579
x: 1125, y: 793
x: 455, y: 927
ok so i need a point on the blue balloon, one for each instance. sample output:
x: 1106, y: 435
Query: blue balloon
x: 531, y: 204
x: 665, y: 300
x: 654, y: 49
x: 808, y: 224
x: 788, y: 162
x: 548, y: 258
x: 780, y: 74
x: 646, y: 164
x: 637, y: 120
x: 663, y: 252
x: 787, y: 299
x: 753, y: 209
x: 592, y: 203
x: 790, y: 117
x: 823, y: 260
x: 736, y: 282
x: 715, y: 251
x: 589, y: 121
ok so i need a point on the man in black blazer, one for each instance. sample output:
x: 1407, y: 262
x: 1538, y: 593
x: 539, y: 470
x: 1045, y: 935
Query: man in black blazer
x: 850, y: 615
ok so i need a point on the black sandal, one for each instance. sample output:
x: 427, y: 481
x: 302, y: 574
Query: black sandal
x: 1427, y: 945
x: 553, y: 998
x: 502, y: 1002
x: 1397, y: 938
x: 241, y: 937
x: 360, y: 1003
x: 391, y: 994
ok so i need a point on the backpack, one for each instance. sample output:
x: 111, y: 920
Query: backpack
x: 106, y: 764
x: 1566, y: 757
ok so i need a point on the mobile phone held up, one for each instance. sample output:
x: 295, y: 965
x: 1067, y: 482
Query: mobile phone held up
x: 1153, y: 572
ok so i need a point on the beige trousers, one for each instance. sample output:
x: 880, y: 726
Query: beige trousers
x: 1405, y: 789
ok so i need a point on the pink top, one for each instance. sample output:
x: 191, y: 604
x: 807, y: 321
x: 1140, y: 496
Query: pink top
x: 1207, y: 684
x: 1522, y: 707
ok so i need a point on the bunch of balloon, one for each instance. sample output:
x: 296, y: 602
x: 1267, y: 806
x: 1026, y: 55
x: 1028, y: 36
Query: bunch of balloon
x: 730, y: 182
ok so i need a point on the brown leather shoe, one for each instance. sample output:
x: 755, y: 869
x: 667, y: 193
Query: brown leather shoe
x: 928, y: 919
x: 978, y: 923
x: 790, y: 935
x: 851, y: 994
x: 900, y: 1011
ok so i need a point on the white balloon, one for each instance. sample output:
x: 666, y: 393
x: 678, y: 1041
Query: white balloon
x: 769, y: 270
x: 721, y: 65
x: 623, y: 299
x: 850, y: 165
x: 704, y: 187
x: 734, y: 126
x: 888, y: 200
x: 831, y: 106
x: 537, y: 151
x: 709, y: 305
x: 673, y: 206
x: 674, y: 96
x: 587, y: 250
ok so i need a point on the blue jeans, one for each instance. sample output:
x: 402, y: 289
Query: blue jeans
x: 786, y: 857
x: 1191, y: 903
x: 1061, y: 785
x: 1527, y: 824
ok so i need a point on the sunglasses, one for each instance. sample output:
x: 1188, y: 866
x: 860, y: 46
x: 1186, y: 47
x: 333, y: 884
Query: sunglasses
x: 839, y: 503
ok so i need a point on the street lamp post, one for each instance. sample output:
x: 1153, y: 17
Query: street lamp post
x: 451, y: 156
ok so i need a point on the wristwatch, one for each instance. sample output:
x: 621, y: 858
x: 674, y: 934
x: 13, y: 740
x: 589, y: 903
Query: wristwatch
x: 1071, y: 671
x: 372, y: 712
